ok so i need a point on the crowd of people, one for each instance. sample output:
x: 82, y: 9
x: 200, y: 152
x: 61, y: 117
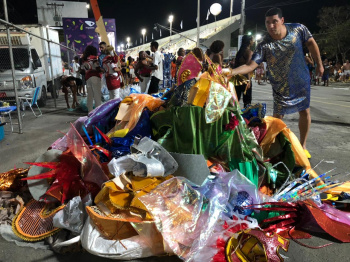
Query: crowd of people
x: 333, y: 71
x: 268, y: 63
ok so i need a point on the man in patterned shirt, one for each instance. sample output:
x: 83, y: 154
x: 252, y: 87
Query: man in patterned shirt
x: 282, y: 50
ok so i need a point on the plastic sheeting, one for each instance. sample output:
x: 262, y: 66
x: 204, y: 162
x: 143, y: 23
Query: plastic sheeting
x: 127, y: 249
x: 187, y: 215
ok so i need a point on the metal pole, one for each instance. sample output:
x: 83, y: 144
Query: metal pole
x: 231, y: 8
x: 171, y: 29
x: 198, y: 20
x: 241, y: 28
x: 68, y: 56
x: 143, y: 39
x: 13, y: 70
x: 30, y: 33
x: 51, y: 68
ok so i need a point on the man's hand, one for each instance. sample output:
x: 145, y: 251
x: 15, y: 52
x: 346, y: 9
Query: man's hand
x: 319, y: 70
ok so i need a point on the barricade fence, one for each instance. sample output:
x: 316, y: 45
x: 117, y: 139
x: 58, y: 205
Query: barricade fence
x: 36, y: 61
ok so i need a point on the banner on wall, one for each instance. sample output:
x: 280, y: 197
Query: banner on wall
x: 80, y: 32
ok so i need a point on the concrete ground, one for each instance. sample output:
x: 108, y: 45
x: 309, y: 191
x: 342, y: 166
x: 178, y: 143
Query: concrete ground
x: 328, y: 139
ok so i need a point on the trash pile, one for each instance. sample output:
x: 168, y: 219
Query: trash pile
x: 184, y: 173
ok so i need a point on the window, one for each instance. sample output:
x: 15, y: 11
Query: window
x: 36, y: 59
x: 20, y: 57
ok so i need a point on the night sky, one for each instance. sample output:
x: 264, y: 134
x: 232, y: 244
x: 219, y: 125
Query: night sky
x: 132, y: 16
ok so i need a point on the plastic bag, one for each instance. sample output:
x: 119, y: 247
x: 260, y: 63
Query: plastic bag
x: 127, y: 249
x: 151, y: 160
x: 73, y: 215
x: 185, y: 216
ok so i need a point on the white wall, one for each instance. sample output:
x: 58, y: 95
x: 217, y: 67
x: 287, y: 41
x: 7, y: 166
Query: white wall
x: 70, y: 9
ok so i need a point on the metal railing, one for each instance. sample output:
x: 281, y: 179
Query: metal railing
x: 22, y: 67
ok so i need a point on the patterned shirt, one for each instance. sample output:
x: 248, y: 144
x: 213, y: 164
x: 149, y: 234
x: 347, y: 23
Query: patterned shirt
x: 288, y: 72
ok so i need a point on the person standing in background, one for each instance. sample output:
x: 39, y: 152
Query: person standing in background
x: 92, y: 76
x: 157, y: 67
x: 243, y: 57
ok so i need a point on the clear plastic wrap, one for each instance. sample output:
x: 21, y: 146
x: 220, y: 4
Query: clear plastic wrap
x: 187, y: 215
x: 184, y: 216
x: 217, y: 101
x: 141, y: 101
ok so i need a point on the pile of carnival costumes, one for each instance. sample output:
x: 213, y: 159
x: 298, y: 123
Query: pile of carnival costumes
x: 184, y: 173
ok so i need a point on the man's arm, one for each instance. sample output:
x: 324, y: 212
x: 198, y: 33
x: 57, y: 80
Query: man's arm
x: 244, y: 69
x: 315, y: 52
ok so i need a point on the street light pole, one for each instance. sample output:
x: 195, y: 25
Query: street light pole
x: 198, y: 20
x: 171, y: 19
x: 241, y: 28
x: 143, y: 32
x: 231, y: 8
x: 128, y: 42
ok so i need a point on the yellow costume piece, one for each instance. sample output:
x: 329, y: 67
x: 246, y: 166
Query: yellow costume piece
x: 200, y: 91
x: 118, y: 133
x: 123, y: 192
x: 274, y: 126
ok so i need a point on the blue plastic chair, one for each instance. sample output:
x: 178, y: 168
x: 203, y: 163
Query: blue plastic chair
x: 31, y: 101
x: 7, y: 111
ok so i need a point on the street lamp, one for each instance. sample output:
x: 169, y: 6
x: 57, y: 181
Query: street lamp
x: 215, y: 9
x: 171, y: 19
x: 88, y: 6
x: 128, y: 42
x: 122, y: 47
x: 143, y: 32
x: 257, y: 37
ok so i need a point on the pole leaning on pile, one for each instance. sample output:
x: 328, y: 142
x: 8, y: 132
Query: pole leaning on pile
x: 241, y: 28
x: 101, y: 29
x: 51, y: 67
x: 13, y: 70
x: 198, y: 20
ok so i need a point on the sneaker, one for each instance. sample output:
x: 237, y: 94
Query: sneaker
x: 307, y: 153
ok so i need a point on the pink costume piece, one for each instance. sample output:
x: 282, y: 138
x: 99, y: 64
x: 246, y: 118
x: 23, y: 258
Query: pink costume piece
x: 189, y: 69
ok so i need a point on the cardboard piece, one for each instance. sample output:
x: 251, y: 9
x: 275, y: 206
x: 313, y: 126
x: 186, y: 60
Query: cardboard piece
x: 39, y: 187
x: 124, y: 112
x: 193, y: 167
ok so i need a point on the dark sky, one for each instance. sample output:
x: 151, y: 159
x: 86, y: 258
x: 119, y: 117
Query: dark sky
x: 133, y: 15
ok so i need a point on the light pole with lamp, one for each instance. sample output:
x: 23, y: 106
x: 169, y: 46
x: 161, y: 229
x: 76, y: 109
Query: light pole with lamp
x: 257, y: 38
x: 122, y: 47
x: 171, y: 19
x: 128, y: 42
x: 143, y: 32
x: 215, y: 9
x: 231, y: 8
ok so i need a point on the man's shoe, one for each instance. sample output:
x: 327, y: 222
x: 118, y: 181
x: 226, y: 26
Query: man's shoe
x: 307, y: 153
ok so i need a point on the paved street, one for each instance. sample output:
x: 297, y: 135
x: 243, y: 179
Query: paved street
x: 328, y: 139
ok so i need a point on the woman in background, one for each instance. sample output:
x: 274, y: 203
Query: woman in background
x: 244, y: 55
x: 143, y: 71
x: 111, y: 66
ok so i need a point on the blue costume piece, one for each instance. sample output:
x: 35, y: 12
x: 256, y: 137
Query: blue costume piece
x: 288, y: 72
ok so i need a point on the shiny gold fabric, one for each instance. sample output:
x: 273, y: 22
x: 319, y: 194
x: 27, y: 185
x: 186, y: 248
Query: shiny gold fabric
x: 123, y: 192
x: 10, y: 180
